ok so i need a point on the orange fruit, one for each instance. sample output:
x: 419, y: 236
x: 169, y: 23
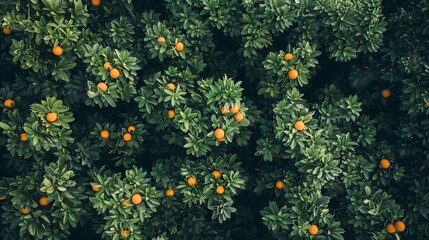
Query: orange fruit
x: 95, y: 3
x: 384, y: 163
x: 160, y: 39
x: 235, y: 109
x: 224, y: 110
x: 57, y: 50
x: 95, y: 189
x: 216, y: 174
x: 131, y: 128
x: 299, y: 125
x: 125, y: 203
x: 9, y: 103
x: 180, y: 46
x: 43, y: 201
x: 220, y: 190
x: 23, y: 137
x: 390, y: 228
x: 399, y: 226
x: 171, y: 114
x: 114, y: 73
x: 102, y: 86
x: 2, y: 198
x: 292, y: 74
x: 238, y: 116
x: 386, y: 93
x: 51, y: 117
x: 221, y: 139
x: 104, y: 134
x: 192, y: 181
x: 127, y: 137
x: 24, y: 211
x: 219, y: 133
x: 136, y: 199
x: 171, y: 86
x: 107, y: 66
x: 279, y: 184
x: 288, y: 56
x: 124, y: 233
x: 427, y: 104
x: 313, y: 229
x: 169, y: 192
x: 7, y: 31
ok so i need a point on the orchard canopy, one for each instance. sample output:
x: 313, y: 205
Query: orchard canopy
x: 214, y: 119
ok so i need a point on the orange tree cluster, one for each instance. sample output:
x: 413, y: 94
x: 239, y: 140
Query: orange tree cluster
x: 271, y: 119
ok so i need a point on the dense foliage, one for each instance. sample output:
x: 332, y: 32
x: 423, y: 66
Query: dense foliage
x: 214, y: 119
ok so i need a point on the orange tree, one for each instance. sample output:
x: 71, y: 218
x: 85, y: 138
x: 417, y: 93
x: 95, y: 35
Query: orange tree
x: 272, y: 119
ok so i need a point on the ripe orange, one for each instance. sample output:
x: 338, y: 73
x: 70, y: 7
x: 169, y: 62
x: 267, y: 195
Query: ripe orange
x: 386, y: 93
x: 235, y: 109
x: 219, y: 133
x: 23, y: 137
x: 216, y: 174
x: 299, y: 125
x: 220, y: 190
x: 313, y: 229
x: 124, y: 233
x: 95, y: 189
x: 192, y: 181
x: 102, y: 86
x: 127, y: 137
x: 24, y: 211
x: 7, y: 31
x: 104, y: 134
x: 114, y: 73
x: 399, y: 226
x: 427, y: 104
x: 221, y: 139
x: 390, y: 228
x: 125, y: 203
x: 224, y: 110
x: 43, y: 201
x: 51, y: 117
x: 57, y: 50
x: 171, y: 86
x: 2, y: 198
x: 136, y: 199
x: 384, y: 163
x: 292, y: 74
x: 171, y: 114
x: 169, y: 192
x: 180, y: 46
x: 288, y: 56
x: 95, y: 3
x: 160, y: 39
x: 107, y: 66
x: 238, y: 116
x: 131, y: 128
x: 279, y: 184
x: 9, y: 103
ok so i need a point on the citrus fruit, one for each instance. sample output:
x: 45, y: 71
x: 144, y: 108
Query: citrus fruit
x: 313, y: 229
x: 292, y: 74
x: 219, y: 133
x: 299, y: 125
x: 43, y: 201
x: 7, y: 31
x: 279, y: 184
x: 169, y: 192
x: 238, y: 116
x: 288, y: 56
x: 386, y: 93
x: 192, y: 181
x: 57, y: 50
x: 107, y: 66
x: 171, y: 114
x: 384, y: 163
x: 171, y: 86
x: 220, y: 190
x: 104, y: 134
x: 136, y: 199
x: 399, y: 226
x: 23, y: 137
x: 216, y: 174
x: 131, y: 128
x: 51, y: 117
x: 95, y: 189
x: 24, y: 211
x: 235, y: 109
x: 102, y: 86
x: 390, y: 228
x: 127, y: 137
x: 114, y: 73
x: 9, y: 103
x: 180, y: 46
x: 160, y: 39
